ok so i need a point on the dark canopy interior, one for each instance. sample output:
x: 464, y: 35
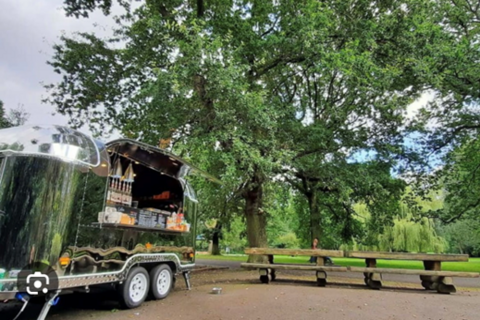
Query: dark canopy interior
x: 149, y: 183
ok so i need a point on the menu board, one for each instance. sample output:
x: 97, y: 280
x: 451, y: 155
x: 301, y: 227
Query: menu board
x: 148, y: 217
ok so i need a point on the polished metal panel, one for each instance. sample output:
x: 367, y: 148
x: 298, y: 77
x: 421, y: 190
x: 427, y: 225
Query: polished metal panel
x: 51, y: 141
x: 37, y: 197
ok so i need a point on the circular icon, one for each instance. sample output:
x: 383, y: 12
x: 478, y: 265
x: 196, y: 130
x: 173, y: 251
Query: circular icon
x: 36, y: 279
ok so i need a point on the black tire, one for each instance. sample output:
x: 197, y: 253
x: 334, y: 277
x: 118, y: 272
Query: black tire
x: 134, y: 290
x: 161, y: 273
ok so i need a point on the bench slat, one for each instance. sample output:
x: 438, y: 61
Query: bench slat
x: 406, y: 256
x: 416, y: 272
x: 291, y: 267
x: 295, y: 252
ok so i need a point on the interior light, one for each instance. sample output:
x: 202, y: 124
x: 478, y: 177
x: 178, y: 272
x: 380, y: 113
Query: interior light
x: 104, y: 165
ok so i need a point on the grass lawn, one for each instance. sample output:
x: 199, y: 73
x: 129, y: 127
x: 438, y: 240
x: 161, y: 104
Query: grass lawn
x: 473, y: 265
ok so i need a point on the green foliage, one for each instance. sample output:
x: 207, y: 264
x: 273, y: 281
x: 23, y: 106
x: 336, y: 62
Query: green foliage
x: 463, y: 237
x: 234, y: 237
x: 4, y: 123
x: 408, y: 236
x: 450, y: 123
x: 288, y: 240
x: 405, y: 230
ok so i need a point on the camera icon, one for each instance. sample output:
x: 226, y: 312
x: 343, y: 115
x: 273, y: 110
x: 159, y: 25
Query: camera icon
x: 36, y: 283
x: 37, y: 278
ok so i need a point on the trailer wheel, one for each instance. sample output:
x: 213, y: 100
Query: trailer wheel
x: 134, y: 290
x: 161, y: 281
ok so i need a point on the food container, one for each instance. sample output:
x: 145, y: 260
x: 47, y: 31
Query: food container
x: 169, y: 223
x: 101, y: 217
x: 216, y: 290
x: 113, y: 217
x: 126, y: 219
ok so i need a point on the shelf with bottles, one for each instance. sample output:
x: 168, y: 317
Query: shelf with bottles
x: 120, y: 187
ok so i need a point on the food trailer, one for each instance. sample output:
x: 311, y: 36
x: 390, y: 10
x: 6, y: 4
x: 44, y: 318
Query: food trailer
x: 76, y: 213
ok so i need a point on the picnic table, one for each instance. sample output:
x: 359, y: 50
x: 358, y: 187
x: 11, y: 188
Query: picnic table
x: 432, y: 277
x: 320, y: 266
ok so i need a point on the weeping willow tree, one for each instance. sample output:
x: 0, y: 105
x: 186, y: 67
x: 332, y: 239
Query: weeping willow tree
x: 409, y: 235
x: 404, y: 230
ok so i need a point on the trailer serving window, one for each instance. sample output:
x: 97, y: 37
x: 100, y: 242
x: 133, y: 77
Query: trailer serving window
x: 146, y: 189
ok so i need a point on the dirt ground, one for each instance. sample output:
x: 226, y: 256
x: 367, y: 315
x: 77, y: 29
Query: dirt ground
x: 293, y: 296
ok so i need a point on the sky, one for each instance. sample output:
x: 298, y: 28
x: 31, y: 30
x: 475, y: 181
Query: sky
x: 28, y: 29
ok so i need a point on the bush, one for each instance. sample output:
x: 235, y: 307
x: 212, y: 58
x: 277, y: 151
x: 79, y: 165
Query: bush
x: 288, y: 240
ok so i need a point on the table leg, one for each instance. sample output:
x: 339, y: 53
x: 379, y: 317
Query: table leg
x: 264, y: 275
x: 373, y: 280
x: 431, y: 282
x: 439, y: 283
x: 321, y: 278
x: 445, y: 285
x: 273, y: 276
x: 321, y: 275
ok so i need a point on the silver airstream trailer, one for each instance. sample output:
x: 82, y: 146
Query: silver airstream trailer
x: 75, y: 212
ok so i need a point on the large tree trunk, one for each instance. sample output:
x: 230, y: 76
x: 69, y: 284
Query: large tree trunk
x: 216, y: 240
x: 315, y: 217
x: 256, y: 220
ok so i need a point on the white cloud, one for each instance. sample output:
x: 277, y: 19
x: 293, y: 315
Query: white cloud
x: 424, y: 99
x: 28, y: 29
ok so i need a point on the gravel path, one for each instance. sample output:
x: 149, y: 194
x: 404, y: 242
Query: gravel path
x: 243, y: 297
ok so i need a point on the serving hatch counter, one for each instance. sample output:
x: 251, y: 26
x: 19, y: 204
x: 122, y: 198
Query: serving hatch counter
x: 146, y: 192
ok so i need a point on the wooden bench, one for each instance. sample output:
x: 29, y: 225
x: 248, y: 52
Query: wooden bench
x: 432, y: 277
x: 266, y: 269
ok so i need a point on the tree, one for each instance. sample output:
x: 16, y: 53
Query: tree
x: 217, y: 210
x: 407, y: 235
x: 463, y: 236
x: 450, y: 123
x: 354, y: 99
x: 4, y: 122
x: 182, y: 65
x: 18, y: 116
x: 254, y: 89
